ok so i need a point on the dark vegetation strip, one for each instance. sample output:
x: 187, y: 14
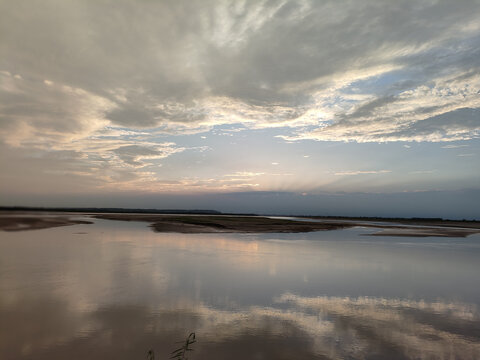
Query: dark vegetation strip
x: 199, y: 223
x: 413, y: 221
x: 223, y: 223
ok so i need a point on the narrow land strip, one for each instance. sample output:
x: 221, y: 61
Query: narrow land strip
x: 197, y: 224
x: 35, y: 222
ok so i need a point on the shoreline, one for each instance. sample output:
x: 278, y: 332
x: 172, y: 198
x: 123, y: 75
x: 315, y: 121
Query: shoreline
x: 21, y: 222
x: 204, y: 224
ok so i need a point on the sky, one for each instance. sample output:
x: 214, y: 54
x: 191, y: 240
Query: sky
x: 358, y: 108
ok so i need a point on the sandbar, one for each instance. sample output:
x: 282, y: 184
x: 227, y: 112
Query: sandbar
x: 194, y: 224
x: 19, y: 222
x: 198, y: 224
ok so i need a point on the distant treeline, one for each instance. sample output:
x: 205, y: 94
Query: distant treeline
x: 215, y: 212
x: 392, y: 219
x: 111, y: 210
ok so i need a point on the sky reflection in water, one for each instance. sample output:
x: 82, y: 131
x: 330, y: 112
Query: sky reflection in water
x: 117, y: 289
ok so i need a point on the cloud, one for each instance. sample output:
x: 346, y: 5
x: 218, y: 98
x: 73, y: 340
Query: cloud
x: 43, y: 114
x: 104, y: 86
x: 242, y: 174
x: 133, y: 154
x: 454, y: 146
x: 392, y: 322
x: 423, y: 172
x: 262, y: 64
x: 387, y: 327
x: 408, y: 117
x: 361, y: 172
x: 130, y: 115
x: 67, y: 127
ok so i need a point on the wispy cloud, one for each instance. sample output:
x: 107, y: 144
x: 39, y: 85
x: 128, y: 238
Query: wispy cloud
x: 361, y: 172
x: 423, y: 172
x: 391, y: 72
x: 244, y: 174
x: 454, y: 146
x: 372, y: 88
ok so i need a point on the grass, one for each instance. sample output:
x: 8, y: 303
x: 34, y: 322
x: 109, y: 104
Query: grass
x: 181, y: 352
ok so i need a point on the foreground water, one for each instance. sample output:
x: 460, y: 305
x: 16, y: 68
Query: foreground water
x: 114, y: 290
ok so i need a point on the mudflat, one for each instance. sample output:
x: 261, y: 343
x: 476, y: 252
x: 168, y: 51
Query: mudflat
x: 258, y: 224
x: 196, y: 224
x: 19, y: 222
x: 223, y: 223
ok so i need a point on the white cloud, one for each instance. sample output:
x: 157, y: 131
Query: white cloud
x: 46, y: 115
x: 211, y: 67
x: 50, y: 118
x: 326, y: 71
x: 361, y: 172
x: 410, y: 115
x: 454, y: 146
x: 386, y: 320
x: 423, y: 172
x: 244, y: 174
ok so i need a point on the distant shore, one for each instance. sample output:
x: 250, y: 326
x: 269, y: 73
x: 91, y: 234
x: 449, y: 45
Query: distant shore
x: 197, y: 224
x: 20, y: 222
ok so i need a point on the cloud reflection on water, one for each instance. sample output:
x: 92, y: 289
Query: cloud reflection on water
x: 121, y: 289
x: 295, y: 327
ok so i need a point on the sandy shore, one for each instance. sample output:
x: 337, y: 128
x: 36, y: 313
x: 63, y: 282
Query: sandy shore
x: 19, y: 222
x: 222, y: 223
x: 196, y: 224
x: 425, y: 232
x: 257, y: 224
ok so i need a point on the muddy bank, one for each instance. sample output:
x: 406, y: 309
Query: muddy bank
x: 425, y: 232
x: 227, y: 224
x: 19, y: 222
x: 197, y: 224
x: 194, y: 224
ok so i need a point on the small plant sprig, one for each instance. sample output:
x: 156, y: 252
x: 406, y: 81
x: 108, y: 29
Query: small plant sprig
x: 180, y: 353
x: 150, y: 355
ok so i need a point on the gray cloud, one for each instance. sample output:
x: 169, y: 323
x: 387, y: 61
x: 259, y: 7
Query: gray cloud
x: 361, y: 172
x: 129, y: 115
x: 187, y: 55
x: 104, y: 80
x: 42, y: 112
x: 133, y: 154
x: 458, y: 124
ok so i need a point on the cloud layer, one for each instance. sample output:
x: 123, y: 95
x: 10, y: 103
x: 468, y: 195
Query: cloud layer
x: 104, y: 81
x: 361, y: 72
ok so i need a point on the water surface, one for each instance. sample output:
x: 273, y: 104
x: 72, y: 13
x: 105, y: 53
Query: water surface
x: 114, y: 290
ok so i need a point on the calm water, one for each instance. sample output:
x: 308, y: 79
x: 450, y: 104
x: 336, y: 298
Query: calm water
x: 114, y: 290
